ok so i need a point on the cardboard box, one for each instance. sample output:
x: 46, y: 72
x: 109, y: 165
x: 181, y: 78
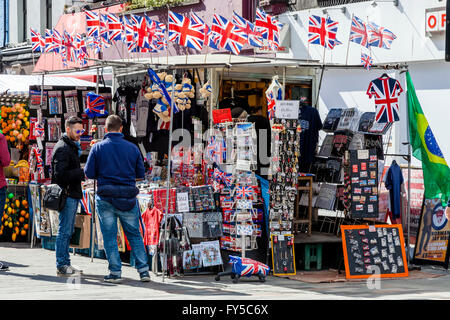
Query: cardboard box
x: 81, y: 237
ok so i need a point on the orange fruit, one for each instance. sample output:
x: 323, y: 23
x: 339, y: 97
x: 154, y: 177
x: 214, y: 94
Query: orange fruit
x: 23, y: 232
x: 27, y: 216
x: 23, y: 212
x: 13, y: 237
x: 21, y: 219
x: 25, y: 226
x: 17, y: 203
x: 10, y: 225
x: 25, y: 203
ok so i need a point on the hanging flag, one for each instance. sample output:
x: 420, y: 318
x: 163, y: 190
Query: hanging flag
x: 322, y: 31
x: 255, y: 38
x: 58, y: 41
x: 230, y: 38
x: 211, y: 38
x: 186, y: 32
x: 35, y: 41
x: 69, y: 45
x: 380, y: 37
x: 358, y: 32
x: 161, y: 39
x: 151, y: 31
x: 140, y: 31
x: 95, y: 105
x: 114, y: 27
x: 104, y: 32
x: 366, y: 61
x: 386, y: 91
x: 81, y: 49
x: 436, y: 173
x: 269, y: 28
x: 92, y: 24
x: 128, y: 27
x: 49, y: 46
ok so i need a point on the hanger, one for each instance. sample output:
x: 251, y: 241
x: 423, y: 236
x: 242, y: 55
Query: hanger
x: 384, y: 75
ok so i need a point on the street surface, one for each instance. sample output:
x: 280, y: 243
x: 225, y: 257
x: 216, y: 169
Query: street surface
x: 32, y: 275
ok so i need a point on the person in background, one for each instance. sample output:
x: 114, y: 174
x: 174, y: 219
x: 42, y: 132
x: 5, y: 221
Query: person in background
x: 5, y: 159
x: 117, y: 164
x: 68, y: 174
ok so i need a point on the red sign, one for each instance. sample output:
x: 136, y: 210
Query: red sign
x: 222, y: 115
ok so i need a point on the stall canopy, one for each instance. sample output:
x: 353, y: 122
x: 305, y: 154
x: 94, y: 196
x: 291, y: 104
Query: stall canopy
x: 18, y: 84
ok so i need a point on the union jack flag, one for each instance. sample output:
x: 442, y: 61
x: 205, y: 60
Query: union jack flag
x: 271, y: 102
x: 358, y: 32
x: 104, y: 31
x: 35, y: 41
x: 186, y: 32
x: 227, y: 179
x: 160, y: 42
x: 244, y: 192
x: 69, y: 46
x: 114, y: 27
x: 86, y: 203
x: 58, y: 41
x: 163, y: 125
x: 386, y: 91
x: 231, y: 38
x: 92, y: 24
x: 95, y: 105
x: 128, y: 28
x: 380, y: 37
x: 49, y: 45
x: 211, y: 39
x: 366, y: 61
x: 39, y: 161
x: 39, y: 130
x: 81, y: 49
x: 255, y: 38
x: 269, y: 27
x: 322, y: 31
x: 151, y: 31
x: 140, y: 31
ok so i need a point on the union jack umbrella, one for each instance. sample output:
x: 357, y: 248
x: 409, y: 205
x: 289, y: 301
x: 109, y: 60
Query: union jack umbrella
x: 322, y: 31
x: 269, y: 27
x: 114, y: 27
x: 255, y: 38
x: 358, y: 32
x: 244, y: 192
x: 231, y: 38
x: 140, y: 31
x: 380, y: 37
x: 35, y: 41
x: 366, y: 61
x: 95, y: 105
x: 128, y: 33
x: 386, y: 91
x: 186, y: 32
x: 92, y: 24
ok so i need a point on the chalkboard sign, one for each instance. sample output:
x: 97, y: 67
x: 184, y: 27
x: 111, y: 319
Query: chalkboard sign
x: 370, y: 250
x: 364, y: 183
x: 283, y: 258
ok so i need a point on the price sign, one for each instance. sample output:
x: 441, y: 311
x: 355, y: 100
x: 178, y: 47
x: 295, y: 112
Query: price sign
x: 222, y: 115
x: 287, y: 109
x: 183, y: 202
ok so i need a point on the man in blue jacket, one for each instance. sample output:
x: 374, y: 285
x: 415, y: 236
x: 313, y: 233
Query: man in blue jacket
x: 117, y: 164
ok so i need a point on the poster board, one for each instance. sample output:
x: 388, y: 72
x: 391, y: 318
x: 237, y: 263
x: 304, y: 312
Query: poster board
x: 432, y: 242
x: 364, y: 183
x: 359, y: 243
x: 283, y: 254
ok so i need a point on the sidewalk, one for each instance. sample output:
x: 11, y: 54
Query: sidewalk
x: 32, y: 275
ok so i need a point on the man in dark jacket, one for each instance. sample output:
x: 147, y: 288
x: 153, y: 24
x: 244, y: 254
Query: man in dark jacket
x: 117, y: 164
x: 67, y: 173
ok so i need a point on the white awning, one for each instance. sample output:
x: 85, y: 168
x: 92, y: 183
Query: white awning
x: 19, y: 84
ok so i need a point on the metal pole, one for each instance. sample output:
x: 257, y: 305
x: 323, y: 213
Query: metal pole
x: 168, y: 177
x: 284, y: 83
x: 320, y: 85
x: 409, y: 200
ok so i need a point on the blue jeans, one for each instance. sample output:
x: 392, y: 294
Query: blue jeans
x: 129, y: 220
x: 65, y: 231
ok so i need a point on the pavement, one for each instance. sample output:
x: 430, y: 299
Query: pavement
x: 32, y: 275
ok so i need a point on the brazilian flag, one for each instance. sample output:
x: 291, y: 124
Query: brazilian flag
x: 436, y: 173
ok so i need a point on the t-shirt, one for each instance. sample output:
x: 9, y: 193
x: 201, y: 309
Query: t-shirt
x: 152, y: 219
x: 123, y: 97
x: 310, y: 123
x: 386, y: 91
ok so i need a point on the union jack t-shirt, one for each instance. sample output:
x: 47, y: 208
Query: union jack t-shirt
x: 386, y: 91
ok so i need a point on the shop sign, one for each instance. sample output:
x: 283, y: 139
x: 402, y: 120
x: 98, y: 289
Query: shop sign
x: 222, y: 115
x: 287, y: 109
x: 435, y: 19
x: 183, y: 202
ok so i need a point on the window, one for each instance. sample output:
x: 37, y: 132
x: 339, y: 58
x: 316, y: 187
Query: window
x: 24, y: 21
x: 48, y: 6
x: 249, y: 9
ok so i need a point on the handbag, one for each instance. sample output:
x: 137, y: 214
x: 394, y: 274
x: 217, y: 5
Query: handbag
x: 54, y: 197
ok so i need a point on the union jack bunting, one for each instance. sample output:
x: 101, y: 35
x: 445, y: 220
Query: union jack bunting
x: 49, y: 46
x: 386, y: 91
x: 104, y: 31
x: 322, y: 31
x: 366, y: 61
x: 36, y: 41
x: 211, y: 39
x: 95, y: 105
x: 92, y: 24
x: 380, y: 37
x: 128, y: 33
x: 254, y: 37
x: 151, y: 31
x: 244, y: 192
x: 58, y: 41
x: 160, y: 42
x: 186, y: 32
x: 230, y: 36
x: 114, y: 27
x: 81, y: 49
x: 269, y: 27
x: 69, y: 46
x: 358, y: 32
x: 140, y: 31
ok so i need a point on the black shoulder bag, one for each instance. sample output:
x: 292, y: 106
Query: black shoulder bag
x: 54, y: 197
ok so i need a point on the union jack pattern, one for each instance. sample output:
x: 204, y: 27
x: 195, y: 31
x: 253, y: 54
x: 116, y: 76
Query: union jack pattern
x: 129, y: 33
x: 49, y: 47
x: 269, y: 27
x: 140, y: 31
x: 358, y: 32
x: 380, y: 37
x: 114, y: 27
x: 186, y: 32
x: 322, y: 31
x: 39, y: 130
x: 35, y: 41
x: 39, y: 162
x: 95, y: 105
x: 271, y: 102
x: 244, y: 192
x: 104, y: 31
x: 248, y: 267
x: 92, y: 24
x: 366, y: 61
x: 386, y: 91
x: 255, y: 38
x: 86, y: 203
x: 231, y: 38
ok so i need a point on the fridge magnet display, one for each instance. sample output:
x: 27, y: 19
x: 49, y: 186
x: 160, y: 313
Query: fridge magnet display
x: 283, y: 254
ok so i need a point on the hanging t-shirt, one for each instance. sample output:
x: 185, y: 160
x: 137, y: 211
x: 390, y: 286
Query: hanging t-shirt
x: 152, y: 219
x: 386, y: 91
x: 141, y: 114
x: 310, y: 124
x: 123, y: 97
x: 393, y: 183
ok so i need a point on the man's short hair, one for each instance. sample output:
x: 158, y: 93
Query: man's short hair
x: 73, y: 120
x: 113, y: 123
